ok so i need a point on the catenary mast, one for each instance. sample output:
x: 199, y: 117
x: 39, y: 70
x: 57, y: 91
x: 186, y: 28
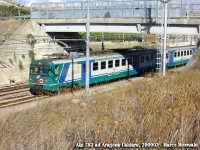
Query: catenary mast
x: 165, y: 36
x: 87, y: 50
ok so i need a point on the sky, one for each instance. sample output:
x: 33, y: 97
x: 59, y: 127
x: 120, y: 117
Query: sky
x: 28, y: 2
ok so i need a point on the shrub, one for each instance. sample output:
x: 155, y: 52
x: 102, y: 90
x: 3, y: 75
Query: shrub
x: 112, y: 36
x: 20, y: 65
x: 10, y: 60
x: 15, y: 57
x: 23, y: 56
x: 31, y: 55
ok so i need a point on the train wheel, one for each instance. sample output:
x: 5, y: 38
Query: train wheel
x: 39, y: 91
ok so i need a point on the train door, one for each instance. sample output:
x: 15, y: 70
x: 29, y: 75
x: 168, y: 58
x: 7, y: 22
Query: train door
x: 130, y: 66
x: 171, y: 59
x: 135, y: 65
x: 83, y: 73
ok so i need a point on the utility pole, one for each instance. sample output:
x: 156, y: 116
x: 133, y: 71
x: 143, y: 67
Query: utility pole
x: 87, y: 51
x: 165, y: 36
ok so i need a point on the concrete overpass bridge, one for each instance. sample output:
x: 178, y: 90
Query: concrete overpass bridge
x: 125, y: 16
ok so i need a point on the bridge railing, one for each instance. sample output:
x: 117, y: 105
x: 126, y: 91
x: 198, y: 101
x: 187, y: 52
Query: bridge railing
x: 110, y: 9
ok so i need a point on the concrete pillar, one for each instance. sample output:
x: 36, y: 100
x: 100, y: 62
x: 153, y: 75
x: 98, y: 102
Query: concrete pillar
x: 123, y: 41
x: 199, y: 29
x: 43, y: 28
x: 102, y: 41
x: 184, y: 38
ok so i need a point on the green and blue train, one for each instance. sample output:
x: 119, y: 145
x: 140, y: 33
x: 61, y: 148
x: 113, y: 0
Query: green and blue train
x: 51, y: 75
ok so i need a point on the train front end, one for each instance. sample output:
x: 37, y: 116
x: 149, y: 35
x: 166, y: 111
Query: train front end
x: 40, y: 76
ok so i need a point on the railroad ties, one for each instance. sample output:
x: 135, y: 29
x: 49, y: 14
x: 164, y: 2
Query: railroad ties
x: 14, y: 95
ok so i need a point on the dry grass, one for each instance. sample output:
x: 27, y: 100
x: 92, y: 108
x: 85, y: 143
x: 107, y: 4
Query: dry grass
x: 158, y: 110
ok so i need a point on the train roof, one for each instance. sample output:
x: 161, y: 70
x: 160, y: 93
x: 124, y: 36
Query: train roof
x: 180, y: 48
x: 103, y: 55
x: 112, y: 53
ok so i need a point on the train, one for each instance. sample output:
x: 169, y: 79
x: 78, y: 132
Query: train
x: 52, y: 75
x: 198, y: 43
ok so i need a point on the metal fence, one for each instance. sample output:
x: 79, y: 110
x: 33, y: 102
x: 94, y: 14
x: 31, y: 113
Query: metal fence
x: 110, y: 9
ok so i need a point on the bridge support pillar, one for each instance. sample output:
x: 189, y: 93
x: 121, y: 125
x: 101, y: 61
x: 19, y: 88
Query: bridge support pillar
x: 102, y: 41
x: 199, y: 29
x: 102, y: 46
x: 42, y: 28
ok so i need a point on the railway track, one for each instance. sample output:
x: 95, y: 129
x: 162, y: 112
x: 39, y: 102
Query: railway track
x: 19, y: 94
x: 14, y: 95
x: 13, y: 87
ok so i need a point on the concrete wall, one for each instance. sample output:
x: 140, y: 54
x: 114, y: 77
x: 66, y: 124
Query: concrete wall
x: 15, y: 47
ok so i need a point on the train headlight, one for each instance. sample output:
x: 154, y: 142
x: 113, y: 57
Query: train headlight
x: 41, y: 80
x: 45, y: 80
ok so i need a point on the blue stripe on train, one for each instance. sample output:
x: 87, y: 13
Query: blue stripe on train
x: 83, y: 73
x: 63, y: 73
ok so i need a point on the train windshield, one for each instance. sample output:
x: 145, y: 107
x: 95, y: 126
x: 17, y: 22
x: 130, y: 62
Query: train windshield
x: 33, y: 70
x: 41, y: 70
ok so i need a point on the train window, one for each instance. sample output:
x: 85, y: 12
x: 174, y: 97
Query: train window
x: 67, y: 71
x: 84, y: 67
x: 76, y: 68
x: 178, y: 54
x: 33, y: 70
x: 181, y: 53
x: 56, y: 69
x: 117, y: 63
x: 44, y: 70
x: 95, y: 66
x: 130, y: 61
x: 103, y: 65
x: 147, y: 58
x: 141, y: 59
x: 184, y: 53
x: 167, y: 55
x: 151, y: 57
x: 188, y: 53
x: 175, y: 54
x: 110, y: 64
x: 123, y: 62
